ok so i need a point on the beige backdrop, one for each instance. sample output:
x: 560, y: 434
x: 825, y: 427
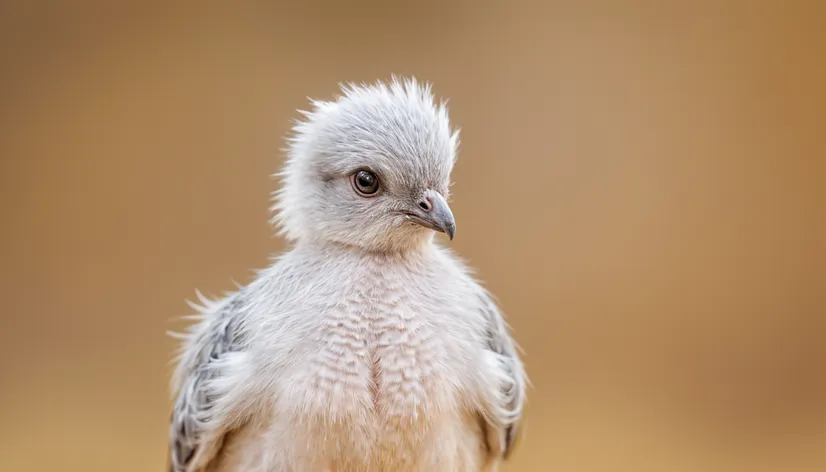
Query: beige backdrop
x: 642, y: 185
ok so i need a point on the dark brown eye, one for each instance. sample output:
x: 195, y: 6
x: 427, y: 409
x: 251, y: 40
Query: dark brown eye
x: 365, y: 182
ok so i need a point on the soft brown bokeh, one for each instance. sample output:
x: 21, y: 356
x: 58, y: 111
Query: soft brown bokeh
x: 641, y: 184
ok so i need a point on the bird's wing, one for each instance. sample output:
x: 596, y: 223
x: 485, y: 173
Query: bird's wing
x: 207, y: 381
x: 504, y: 417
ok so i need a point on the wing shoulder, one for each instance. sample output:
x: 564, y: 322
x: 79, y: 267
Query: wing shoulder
x: 209, y: 381
x: 504, y: 415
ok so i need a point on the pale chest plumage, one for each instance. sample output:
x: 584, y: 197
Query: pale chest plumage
x: 379, y: 378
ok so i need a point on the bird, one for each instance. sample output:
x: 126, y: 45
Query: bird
x: 367, y: 345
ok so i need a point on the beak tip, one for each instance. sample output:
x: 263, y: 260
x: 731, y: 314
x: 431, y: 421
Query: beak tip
x: 450, y: 231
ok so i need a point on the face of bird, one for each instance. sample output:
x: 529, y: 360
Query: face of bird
x: 372, y: 169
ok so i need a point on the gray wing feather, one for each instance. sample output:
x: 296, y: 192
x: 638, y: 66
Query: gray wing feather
x: 503, y: 428
x: 205, y: 347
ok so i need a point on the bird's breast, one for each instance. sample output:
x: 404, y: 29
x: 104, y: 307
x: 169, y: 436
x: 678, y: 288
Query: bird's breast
x: 377, y: 378
x: 384, y: 361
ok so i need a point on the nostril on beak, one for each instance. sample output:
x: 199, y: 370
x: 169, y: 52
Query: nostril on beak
x: 425, y: 204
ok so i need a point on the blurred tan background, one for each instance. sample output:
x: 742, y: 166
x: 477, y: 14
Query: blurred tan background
x: 642, y: 185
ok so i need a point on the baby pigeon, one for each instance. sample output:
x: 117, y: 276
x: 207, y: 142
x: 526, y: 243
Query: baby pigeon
x: 367, y: 346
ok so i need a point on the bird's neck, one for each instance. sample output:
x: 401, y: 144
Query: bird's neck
x: 411, y: 250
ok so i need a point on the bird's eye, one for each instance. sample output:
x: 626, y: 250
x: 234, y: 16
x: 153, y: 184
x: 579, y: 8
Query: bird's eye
x: 365, y: 183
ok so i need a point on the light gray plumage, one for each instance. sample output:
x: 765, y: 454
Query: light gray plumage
x: 366, y: 347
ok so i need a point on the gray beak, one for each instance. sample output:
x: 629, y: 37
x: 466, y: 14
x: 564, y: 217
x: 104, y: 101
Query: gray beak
x: 433, y: 212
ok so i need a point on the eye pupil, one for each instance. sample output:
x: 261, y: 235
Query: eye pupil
x: 365, y: 179
x: 366, y: 182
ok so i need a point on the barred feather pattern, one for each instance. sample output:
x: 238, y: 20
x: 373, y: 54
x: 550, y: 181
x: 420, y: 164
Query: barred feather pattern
x: 503, y: 428
x: 206, y: 347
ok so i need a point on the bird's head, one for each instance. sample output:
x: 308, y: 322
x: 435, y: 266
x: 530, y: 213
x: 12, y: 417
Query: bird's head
x: 370, y: 169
